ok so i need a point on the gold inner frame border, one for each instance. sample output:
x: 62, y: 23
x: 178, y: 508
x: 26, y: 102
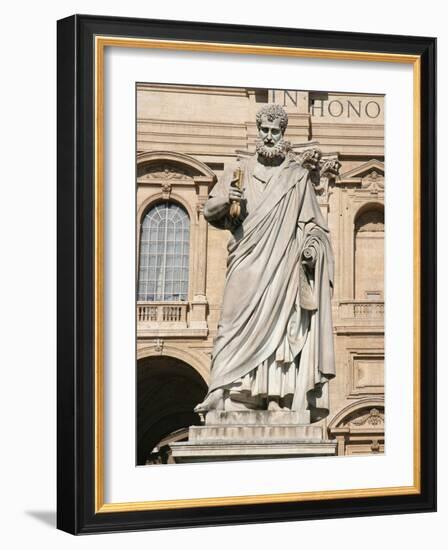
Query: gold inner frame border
x: 100, y: 43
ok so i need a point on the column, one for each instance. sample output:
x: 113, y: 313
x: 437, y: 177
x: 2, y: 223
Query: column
x: 198, y: 314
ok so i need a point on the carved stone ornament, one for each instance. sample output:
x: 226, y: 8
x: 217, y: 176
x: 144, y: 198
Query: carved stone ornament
x: 372, y: 418
x: 309, y: 158
x: 322, y: 170
x: 328, y: 171
x: 163, y: 172
x: 166, y: 190
x: 200, y: 205
x: 158, y: 346
x: 373, y: 181
x: 330, y: 167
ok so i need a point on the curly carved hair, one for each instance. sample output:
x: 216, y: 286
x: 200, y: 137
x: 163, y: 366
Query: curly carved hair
x: 272, y: 112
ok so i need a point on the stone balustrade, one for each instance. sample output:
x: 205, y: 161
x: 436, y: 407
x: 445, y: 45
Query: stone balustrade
x: 361, y: 309
x: 157, y: 314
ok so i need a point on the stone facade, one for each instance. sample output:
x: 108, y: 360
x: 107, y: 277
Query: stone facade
x: 186, y: 136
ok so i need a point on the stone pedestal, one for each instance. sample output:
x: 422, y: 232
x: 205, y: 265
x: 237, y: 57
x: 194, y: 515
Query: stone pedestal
x: 245, y: 435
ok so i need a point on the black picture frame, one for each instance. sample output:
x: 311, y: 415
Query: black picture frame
x: 77, y: 510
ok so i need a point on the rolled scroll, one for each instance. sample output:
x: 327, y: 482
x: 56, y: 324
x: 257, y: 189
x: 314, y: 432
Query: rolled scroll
x: 309, y: 254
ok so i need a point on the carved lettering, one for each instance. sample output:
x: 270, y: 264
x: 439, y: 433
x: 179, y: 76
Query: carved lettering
x: 369, y: 111
x: 334, y: 112
x: 288, y: 95
x: 285, y: 97
x: 337, y: 108
x: 350, y: 106
x: 317, y: 104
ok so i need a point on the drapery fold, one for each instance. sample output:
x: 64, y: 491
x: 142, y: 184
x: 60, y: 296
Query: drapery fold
x: 273, y: 303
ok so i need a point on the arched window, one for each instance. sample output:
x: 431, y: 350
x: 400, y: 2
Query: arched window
x: 369, y: 254
x: 164, y: 254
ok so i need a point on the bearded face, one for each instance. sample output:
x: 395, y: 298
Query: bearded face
x: 271, y: 152
x: 270, y: 144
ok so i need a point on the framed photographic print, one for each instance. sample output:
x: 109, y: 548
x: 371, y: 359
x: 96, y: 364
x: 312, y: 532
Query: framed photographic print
x: 246, y: 274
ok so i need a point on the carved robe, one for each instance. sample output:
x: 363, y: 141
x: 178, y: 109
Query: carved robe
x: 275, y: 335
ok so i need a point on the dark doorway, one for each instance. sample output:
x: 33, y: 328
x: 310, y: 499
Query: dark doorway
x: 168, y: 389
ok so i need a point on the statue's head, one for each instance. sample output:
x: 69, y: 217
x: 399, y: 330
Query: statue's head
x: 272, y: 121
x: 270, y: 113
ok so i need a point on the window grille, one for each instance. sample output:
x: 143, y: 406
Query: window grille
x: 164, y: 254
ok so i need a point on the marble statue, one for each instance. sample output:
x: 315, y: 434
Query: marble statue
x: 274, y: 347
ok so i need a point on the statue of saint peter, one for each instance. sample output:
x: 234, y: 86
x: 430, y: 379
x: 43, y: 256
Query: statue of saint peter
x: 274, y: 348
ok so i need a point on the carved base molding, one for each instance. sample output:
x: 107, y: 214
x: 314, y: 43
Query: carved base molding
x: 252, y: 435
x: 213, y: 452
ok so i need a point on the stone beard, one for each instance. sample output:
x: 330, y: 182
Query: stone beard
x: 275, y: 152
x: 274, y: 346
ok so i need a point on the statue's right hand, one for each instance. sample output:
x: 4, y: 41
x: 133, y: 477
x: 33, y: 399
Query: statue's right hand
x: 235, y: 194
